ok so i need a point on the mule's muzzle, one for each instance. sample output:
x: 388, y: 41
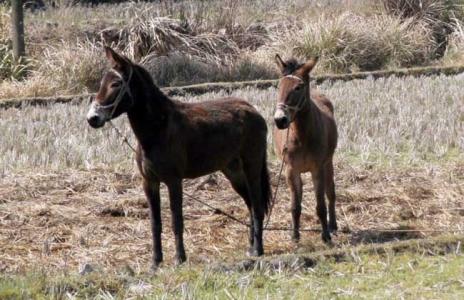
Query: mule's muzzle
x: 95, y: 121
x: 281, y: 118
x: 96, y: 117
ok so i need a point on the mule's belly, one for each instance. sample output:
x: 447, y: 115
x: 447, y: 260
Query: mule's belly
x: 156, y: 168
x: 199, y: 157
x: 300, y: 158
x: 206, y: 137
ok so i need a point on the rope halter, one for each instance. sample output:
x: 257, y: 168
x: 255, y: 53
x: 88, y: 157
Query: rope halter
x: 293, y: 108
x: 124, y: 89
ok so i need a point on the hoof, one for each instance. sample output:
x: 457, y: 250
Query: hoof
x: 180, y: 259
x: 326, y: 237
x: 254, y: 252
x: 296, y: 236
x: 154, y: 268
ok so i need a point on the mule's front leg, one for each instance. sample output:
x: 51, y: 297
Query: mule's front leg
x: 319, y: 188
x: 296, y: 190
x: 152, y: 193
x: 175, y: 201
x: 330, y: 192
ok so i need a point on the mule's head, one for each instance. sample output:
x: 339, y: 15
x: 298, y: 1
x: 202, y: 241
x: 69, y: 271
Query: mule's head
x: 293, y: 89
x: 114, y: 96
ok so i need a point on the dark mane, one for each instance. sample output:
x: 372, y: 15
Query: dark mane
x: 150, y: 82
x: 291, y: 66
x: 144, y: 73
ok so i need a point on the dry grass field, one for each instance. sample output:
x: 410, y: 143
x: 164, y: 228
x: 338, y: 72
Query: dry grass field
x: 71, y: 199
x: 73, y: 218
x: 188, y: 41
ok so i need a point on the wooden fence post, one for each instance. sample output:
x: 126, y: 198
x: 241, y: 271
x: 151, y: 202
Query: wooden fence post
x: 17, y: 28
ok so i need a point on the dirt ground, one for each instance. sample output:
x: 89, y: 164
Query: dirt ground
x: 65, y: 220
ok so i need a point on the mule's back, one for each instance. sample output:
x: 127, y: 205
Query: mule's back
x: 209, y: 135
x: 321, y: 100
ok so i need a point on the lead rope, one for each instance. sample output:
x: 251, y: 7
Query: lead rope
x: 124, y: 138
x: 274, y: 198
x: 231, y: 217
x: 214, y: 209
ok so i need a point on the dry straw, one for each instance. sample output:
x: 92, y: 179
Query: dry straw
x: 71, y: 196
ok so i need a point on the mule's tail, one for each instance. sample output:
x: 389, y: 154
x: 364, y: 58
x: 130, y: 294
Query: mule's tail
x: 266, y: 195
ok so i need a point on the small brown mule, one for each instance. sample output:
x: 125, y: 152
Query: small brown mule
x: 308, y: 144
x: 186, y: 140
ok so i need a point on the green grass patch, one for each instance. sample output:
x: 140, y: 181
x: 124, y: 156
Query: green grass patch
x: 414, y: 269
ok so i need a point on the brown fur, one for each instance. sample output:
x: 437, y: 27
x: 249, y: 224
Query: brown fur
x: 179, y: 140
x: 312, y: 139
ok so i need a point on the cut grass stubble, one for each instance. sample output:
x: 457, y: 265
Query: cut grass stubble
x: 408, y: 121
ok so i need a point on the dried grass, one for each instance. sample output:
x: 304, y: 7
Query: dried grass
x: 70, y: 195
x: 221, y: 40
x: 63, y: 220
x: 65, y: 68
x: 350, y: 42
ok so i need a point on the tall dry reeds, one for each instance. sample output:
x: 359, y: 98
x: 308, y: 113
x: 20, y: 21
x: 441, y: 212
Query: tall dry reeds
x: 351, y: 42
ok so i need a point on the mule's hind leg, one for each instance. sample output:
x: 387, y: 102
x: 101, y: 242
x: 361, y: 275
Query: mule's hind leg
x: 253, y: 175
x: 296, y: 190
x: 330, y: 192
x: 321, y: 208
x: 235, y: 174
x: 175, y: 201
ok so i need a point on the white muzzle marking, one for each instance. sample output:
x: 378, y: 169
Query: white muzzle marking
x: 96, y: 110
x: 281, y: 113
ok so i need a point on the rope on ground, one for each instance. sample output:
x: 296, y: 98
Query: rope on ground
x: 274, y: 198
x: 266, y: 227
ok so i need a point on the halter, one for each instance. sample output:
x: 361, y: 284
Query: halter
x: 295, y: 108
x: 123, y: 90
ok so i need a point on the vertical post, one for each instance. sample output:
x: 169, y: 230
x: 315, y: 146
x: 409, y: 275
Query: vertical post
x: 17, y: 28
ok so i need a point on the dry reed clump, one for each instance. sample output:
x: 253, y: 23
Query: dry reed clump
x: 65, y: 69
x: 75, y: 68
x: 175, y: 54
x: 455, y: 51
x: 350, y: 42
x: 439, y: 16
x: 430, y: 10
x: 161, y: 36
x: 178, y: 69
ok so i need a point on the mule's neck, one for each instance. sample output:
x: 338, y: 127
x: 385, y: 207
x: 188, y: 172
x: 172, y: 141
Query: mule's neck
x: 307, y: 122
x: 150, y: 113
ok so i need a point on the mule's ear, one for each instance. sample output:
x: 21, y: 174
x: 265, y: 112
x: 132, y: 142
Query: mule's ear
x: 116, y: 60
x: 307, y: 67
x: 280, y: 63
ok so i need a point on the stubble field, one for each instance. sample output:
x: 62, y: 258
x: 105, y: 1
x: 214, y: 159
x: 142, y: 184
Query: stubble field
x: 71, y: 197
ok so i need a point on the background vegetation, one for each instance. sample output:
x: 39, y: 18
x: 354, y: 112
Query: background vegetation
x: 188, y: 41
x: 73, y: 218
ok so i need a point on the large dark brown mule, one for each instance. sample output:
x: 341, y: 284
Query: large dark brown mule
x: 186, y: 140
x: 312, y: 139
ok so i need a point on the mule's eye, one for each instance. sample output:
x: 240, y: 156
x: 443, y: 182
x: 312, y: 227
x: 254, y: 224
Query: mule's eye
x: 298, y: 87
x: 115, y: 84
